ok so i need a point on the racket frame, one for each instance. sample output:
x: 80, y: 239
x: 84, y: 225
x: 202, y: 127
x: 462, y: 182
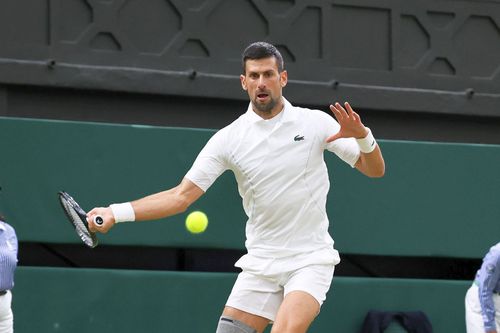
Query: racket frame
x: 79, y: 222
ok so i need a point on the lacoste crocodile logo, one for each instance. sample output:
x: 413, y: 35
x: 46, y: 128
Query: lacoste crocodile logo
x: 298, y: 137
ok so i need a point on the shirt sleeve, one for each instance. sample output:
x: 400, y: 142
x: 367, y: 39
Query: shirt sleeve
x: 347, y: 149
x: 210, y: 163
x: 490, y: 273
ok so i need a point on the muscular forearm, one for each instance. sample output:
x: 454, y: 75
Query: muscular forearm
x: 153, y: 207
x: 160, y: 205
x: 371, y: 164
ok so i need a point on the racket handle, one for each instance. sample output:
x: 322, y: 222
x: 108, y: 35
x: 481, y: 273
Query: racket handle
x: 98, y: 220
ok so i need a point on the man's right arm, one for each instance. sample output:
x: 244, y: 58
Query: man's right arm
x: 156, y: 206
x: 208, y: 166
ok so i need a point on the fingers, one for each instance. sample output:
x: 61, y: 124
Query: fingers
x: 107, y: 217
x: 339, y: 112
x: 336, y: 112
x: 90, y: 220
x: 349, y: 121
x: 344, y: 113
x: 354, y: 115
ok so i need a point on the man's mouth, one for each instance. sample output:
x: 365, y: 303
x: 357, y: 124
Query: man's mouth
x: 262, y: 96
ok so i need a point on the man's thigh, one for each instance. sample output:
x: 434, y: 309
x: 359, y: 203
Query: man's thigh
x: 305, y: 290
x: 257, y: 300
x: 313, y: 279
x: 296, y: 313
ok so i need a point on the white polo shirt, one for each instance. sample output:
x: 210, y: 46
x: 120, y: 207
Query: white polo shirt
x: 283, y: 181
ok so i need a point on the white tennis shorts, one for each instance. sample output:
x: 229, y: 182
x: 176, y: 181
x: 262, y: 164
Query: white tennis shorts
x: 262, y: 295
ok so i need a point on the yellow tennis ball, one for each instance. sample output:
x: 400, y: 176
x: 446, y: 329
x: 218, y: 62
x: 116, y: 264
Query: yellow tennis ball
x: 196, y: 222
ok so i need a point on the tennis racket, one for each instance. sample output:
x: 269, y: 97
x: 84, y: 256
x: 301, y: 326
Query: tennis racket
x: 78, y: 218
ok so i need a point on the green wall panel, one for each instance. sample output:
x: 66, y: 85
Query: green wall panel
x: 435, y: 200
x: 91, y: 300
x: 85, y: 300
x: 350, y: 299
x: 101, y: 164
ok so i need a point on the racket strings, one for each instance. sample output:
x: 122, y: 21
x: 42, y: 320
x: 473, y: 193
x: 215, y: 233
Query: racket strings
x: 77, y: 217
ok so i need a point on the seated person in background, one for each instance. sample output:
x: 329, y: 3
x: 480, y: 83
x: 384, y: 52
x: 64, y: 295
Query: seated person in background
x: 482, y: 301
x: 8, y: 263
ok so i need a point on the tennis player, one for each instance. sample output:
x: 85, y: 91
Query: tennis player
x: 275, y: 150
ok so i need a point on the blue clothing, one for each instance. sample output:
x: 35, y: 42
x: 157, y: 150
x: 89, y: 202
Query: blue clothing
x: 8, y: 256
x: 488, y: 281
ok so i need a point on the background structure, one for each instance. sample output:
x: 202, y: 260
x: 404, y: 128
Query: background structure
x: 126, y: 92
x: 425, y: 70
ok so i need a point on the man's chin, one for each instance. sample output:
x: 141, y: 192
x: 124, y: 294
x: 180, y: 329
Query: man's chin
x: 264, y: 106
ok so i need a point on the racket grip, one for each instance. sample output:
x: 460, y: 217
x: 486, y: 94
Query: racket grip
x: 98, y: 220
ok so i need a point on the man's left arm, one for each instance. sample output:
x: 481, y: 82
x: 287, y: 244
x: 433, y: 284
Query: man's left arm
x: 371, y: 164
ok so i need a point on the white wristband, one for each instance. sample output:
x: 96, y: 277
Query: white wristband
x: 368, y: 143
x: 123, y: 212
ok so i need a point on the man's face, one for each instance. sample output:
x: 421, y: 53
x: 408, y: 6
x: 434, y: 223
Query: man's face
x: 264, y: 84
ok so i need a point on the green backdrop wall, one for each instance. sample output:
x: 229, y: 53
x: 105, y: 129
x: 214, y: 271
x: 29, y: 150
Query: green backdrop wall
x: 435, y: 200
x: 92, y: 300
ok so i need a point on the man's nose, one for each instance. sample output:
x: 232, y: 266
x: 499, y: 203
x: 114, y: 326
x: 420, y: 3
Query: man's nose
x: 261, y: 83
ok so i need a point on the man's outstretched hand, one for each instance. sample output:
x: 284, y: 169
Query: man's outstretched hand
x: 349, y: 121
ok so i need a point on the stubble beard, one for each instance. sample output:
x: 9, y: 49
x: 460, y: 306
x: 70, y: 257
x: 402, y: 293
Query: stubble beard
x: 265, y: 108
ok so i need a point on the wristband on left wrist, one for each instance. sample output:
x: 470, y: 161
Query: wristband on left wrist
x: 368, y: 143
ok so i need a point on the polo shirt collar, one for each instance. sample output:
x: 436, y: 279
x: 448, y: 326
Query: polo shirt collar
x: 288, y: 113
x: 2, y: 226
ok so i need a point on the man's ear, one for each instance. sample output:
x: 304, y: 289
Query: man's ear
x: 283, y: 78
x: 243, y: 82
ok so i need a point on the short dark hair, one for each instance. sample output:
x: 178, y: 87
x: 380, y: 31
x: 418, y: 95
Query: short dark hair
x: 261, y: 50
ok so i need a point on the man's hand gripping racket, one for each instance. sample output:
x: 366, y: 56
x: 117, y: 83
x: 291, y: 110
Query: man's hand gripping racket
x: 78, y: 218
